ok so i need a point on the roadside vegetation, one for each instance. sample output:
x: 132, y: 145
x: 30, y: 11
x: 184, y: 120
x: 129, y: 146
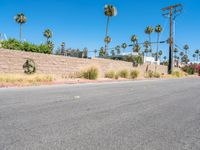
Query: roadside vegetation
x: 22, y: 79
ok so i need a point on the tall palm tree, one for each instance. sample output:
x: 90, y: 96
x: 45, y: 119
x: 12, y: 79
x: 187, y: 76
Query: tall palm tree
x: 194, y: 56
x: 197, y: 52
x: 48, y: 34
x: 148, y: 31
x: 186, y: 48
x: 124, y: 46
x: 21, y: 19
x: 134, y: 39
x: 62, y: 48
x: 107, y: 40
x: 109, y: 11
x: 175, y: 51
x: 95, y: 53
x: 146, y: 46
x: 158, y: 30
x: 136, y: 48
x: 165, y: 58
x: 117, y: 48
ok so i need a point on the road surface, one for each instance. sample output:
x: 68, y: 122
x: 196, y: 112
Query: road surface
x: 139, y: 115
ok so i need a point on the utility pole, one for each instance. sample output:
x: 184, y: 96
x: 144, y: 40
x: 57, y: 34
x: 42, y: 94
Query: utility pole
x: 173, y: 11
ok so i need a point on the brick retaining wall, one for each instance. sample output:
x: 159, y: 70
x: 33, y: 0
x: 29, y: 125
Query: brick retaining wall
x: 11, y: 61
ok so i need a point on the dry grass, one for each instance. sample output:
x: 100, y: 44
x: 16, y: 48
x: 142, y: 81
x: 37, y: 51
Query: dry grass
x: 22, y: 79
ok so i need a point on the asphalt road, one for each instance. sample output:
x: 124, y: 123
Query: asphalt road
x: 139, y: 115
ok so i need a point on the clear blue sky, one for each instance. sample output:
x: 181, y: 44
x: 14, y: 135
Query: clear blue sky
x: 81, y: 23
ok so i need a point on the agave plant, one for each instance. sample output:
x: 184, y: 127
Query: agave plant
x: 109, y: 11
x: 21, y: 19
x: 158, y: 30
x: 48, y: 34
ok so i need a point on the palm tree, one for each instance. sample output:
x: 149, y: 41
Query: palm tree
x: 124, y: 46
x: 194, y: 56
x: 48, y: 34
x: 160, y: 53
x: 181, y: 54
x: 21, y: 19
x: 107, y: 40
x: 117, y: 48
x: 113, y: 52
x: 62, y: 48
x: 186, y: 48
x: 95, y: 53
x: 146, y: 46
x: 109, y: 11
x: 148, y: 31
x: 158, y: 30
x: 50, y: 45
x: 175, y: 51
x: 197, y: 52
x: 136, y: 48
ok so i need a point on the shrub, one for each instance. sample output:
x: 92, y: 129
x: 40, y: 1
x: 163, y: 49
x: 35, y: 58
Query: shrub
x: 134, y: 74
x: 123, y: 73
x: 150, y: 74
x: 198, y: 69
x: 116, y: 76
x: 110, y: 74
x: 136, y: 60
x: 190, y: 69
x: 29, y: 66
x: 156, y: 74
x: 91, y: 73
x: 20, y: 79
x: 26, y: 46
x: 176, y: 74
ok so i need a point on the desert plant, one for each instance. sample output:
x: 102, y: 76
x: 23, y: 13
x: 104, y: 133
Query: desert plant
x: 21, y: 19
x: 110, y: 74
x: 156, y: 75
x: 176, y: 74
x: 25, y: 46
x: 149, y: 74
x: 124, y: 73
x: 149, y: 31
x: 29, y: 67
x: 90, y: 73
x: 158, y: 30
x: 134, y: 74
x: 48, y: 34
x: 109, y: 11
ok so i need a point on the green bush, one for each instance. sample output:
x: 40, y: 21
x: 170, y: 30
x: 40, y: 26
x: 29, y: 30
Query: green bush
x: 110, y: 74
x: 134, y: 74
x: 116, y: 76
x: 190, y: 69
x: 14, y: 44
x: 150, y: 74
x: 91, y: 73
x: 29, y: 67
x: 123, y: 73
x: 176, y: 74
x: 156, y: 75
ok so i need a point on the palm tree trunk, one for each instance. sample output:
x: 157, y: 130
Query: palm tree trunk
x: 107, y: 24
x: 158, y: 38
x: 150, y: 44
x: 20, y: 32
